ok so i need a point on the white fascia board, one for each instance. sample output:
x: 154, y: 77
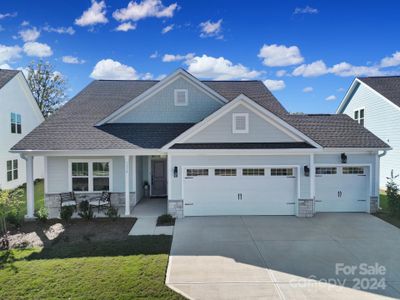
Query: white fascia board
x: 241, y: 152
x: 180, y: 73
x: 253, y: 106
x: 105, y: 152
x: 345, y: 99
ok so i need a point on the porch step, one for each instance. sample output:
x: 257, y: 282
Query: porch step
x: 147, y: 226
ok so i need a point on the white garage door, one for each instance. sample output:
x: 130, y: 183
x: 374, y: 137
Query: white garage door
x: 341, y: 189
x: 239, y: 191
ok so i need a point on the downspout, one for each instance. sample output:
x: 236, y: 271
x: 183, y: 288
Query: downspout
x: 379, y: 159
x: 382, y: 154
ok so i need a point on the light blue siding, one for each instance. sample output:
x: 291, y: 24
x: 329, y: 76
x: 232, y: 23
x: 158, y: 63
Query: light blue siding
x: 381, y: 118
x: 160, y: 108
x: 139, y: 178
x: 260, y: 130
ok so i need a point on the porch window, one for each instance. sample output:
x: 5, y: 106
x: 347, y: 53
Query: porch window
x: 90, y: 176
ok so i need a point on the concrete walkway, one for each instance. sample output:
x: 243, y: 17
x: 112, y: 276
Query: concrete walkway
x: 147, y: 211
x: 268, y: 257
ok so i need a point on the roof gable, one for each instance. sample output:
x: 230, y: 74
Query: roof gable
x: 6, y: 76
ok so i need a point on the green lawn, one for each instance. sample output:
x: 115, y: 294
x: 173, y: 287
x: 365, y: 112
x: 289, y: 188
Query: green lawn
x: 39, y: 195
x: 123, y: 269
x: 384, y: 214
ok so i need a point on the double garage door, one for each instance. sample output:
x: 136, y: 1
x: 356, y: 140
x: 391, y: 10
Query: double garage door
x: 259, y: 190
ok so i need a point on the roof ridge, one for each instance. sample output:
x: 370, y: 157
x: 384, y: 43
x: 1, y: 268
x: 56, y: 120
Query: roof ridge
x: 384, y: 76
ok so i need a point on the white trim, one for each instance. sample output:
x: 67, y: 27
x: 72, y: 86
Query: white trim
x: 169, y: 176
x: 30, y: 189
x: 312, y: 177
x: 180, y: 73
x: 91, y: 152
x: 358, y: 110
x: 28, y: 93
x: 176, y: 103
x: 234, y: 125
x: 151, y: 173
x: 126, y: 186
x: 90, y: 173
x: 133, y: 170
x: 250, y: 104
x: 46, y: 183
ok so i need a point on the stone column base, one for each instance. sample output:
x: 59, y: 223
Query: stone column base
x: 175, y: 208
x: 373, y: 204
x: 305, y: 208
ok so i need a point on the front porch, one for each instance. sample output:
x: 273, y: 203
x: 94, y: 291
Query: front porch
x: 137, y: 183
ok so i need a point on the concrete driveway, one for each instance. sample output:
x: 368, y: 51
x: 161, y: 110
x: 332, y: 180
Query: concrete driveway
x: 268, y: 257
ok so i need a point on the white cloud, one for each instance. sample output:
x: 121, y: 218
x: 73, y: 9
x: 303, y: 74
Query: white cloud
x: 126, y: 27
x: 111, y: 69
x: 37, y: 49
x: 341, y: 89
x: 280, y: 55
x: 177, y: 57
x: 162, y: 76
x: 154, y: 55
x: 211, y: 29
x: 29, y: 35
x: 391, y: 61
x: 219, y: 68
x: 145, y: 9
x: 25, y: 23
x: 281, y: 73
x: 5, y: 66
x: 274, y: 85
x: 305, y: 10
x: 68, y: 59
x: 314, y: 69
x: 9, y: 53
x: 345, y: 69
x: 8, y: 15
x: 167, y: 29
x: 308, y: 89
x: 95, y: 14
x: 330, y: 98
x: 61, y: 30
x: 147, y: 76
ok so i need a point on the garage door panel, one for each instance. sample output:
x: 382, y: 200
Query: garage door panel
x: 239, y: 195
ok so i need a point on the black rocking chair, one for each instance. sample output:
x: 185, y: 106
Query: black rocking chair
x: 101, y: 202
x: 68, y: 199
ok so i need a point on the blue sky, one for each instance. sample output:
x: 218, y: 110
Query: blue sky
x: 305, y: 51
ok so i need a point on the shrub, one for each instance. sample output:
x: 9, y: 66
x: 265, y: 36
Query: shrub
x: 11, y: 208
x: 42, y: 214
x: 112, y: 213
x: 165, y: 220
x: 392, y: 192
x: 85, y: 211
x: 66, y: 213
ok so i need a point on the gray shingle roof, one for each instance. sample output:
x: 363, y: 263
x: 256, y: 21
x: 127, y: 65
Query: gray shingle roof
x: 6, y: 76
x: 388, y: 86
x: 335, y: 131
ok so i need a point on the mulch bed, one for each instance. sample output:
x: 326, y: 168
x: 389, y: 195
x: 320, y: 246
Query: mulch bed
x: 38, y: 234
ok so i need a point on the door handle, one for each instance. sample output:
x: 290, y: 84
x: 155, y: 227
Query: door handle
x: 240, y: 196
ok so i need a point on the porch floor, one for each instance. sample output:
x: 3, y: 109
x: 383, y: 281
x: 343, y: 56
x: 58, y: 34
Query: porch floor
x: 151, y: 207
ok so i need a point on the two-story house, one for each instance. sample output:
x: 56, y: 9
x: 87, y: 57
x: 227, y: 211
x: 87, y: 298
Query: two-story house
x: 374, y: 102
x: 19, y: 114
x: 207, y: 147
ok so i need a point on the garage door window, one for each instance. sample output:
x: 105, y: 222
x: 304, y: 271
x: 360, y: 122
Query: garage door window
x: 325, y: 171
x: 225, y: 172
x: 253, y: 172
x: 353, y: 170
x: 197, y: 172
x: 281, y: 172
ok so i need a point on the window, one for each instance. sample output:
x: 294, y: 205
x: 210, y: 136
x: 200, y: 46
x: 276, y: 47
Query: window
x: 16, y: 123
x: 353, y: 170
x: 197, y: 172
x: 359, y: 116
x: 282, y: 172
x: 253, y: 172
x: 90, y: 176
x: 181, y: 97
x: 325, y: 171
x: 240, y: 123
x: 225, y: 172
x: 12, y: 169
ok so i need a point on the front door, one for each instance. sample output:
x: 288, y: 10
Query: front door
x: 159, y: 177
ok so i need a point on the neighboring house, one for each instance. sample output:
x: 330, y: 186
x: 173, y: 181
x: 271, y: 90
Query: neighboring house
x: 19, y: 114
x: 209, y: 147
x: 374, y: 102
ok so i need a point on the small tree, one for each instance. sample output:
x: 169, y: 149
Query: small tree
x: 47, y: 86
x: 392, y: 192
x: 10, y: 207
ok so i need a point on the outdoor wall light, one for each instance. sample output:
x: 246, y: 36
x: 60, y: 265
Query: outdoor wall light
x: 343, y: 158
x: 306, y: 171
x: 175, y: 171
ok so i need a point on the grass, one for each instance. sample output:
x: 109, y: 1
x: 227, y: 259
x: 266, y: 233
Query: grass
x: 39, y: 195
x: 384, y: 213
x: 123, y: 269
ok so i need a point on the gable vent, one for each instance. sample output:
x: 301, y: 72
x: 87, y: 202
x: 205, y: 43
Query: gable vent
x: 240, y: 123
x: 181, y: 97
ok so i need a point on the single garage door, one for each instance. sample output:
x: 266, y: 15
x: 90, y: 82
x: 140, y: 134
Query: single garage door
x: 341, y: 189
x: 239, y: 191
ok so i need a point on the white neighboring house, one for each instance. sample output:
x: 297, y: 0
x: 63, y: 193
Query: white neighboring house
x: 207, y: 147
x: 374, y: 102
x: 20, y: 114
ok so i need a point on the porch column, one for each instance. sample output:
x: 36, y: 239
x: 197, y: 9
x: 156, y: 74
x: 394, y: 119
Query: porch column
x: 312, y: 177
x: 127, y: 204
x: 134, y: 188
x: 30, y: 195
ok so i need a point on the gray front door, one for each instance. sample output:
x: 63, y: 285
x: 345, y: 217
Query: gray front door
x: 158, y: 177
